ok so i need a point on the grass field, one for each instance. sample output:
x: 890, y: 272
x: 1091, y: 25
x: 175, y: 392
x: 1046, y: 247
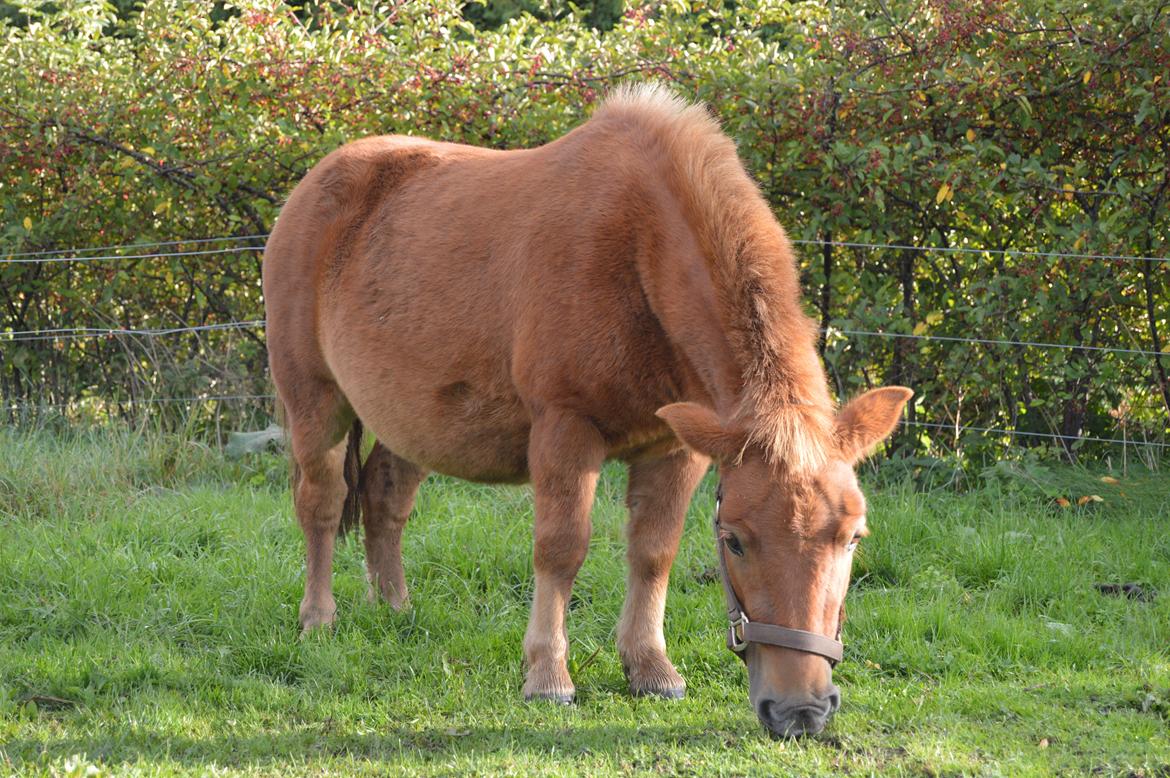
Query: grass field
x: 149, y: 592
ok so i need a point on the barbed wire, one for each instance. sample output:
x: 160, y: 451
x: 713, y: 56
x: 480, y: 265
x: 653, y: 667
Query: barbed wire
x: 951, y: 428
x: 119, y: 247
x: 57, y: 255
x: 131, y: 257
x: 973, y: 250
x: 1021, y: 433
x: 139, y: 401
x: 79, y: 255
x: 94, y: 332
x: 986, y: 341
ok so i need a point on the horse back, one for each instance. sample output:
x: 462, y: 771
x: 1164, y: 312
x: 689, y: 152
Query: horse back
x: 475, y: 287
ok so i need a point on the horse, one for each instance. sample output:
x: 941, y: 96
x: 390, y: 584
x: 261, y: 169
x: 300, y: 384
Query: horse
x: 622, y: 292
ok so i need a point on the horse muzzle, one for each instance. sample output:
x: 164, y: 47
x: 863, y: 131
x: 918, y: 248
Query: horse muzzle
x: 795, y: 718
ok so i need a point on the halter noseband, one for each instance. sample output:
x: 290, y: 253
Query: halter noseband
x: 743, y: 631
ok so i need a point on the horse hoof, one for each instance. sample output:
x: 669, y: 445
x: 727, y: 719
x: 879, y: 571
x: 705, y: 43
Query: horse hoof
x: 316, y: 620
x: 673, y: 693
x: 561, y: 698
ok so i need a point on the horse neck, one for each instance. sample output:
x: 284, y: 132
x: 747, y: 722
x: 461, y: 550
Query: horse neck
x: 794, y: 404
x: 681, y: 294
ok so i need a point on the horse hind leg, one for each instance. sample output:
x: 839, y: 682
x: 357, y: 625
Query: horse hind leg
x: 318, y: 417
x: 388, y: 487
x: 658, y: 495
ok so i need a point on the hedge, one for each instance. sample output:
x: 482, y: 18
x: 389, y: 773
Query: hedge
x: 991, y: 133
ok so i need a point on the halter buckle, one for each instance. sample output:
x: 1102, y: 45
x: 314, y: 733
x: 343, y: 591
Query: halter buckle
x: 735, y: 634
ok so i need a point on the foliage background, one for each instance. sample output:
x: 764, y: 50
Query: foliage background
x: 1028, y: 126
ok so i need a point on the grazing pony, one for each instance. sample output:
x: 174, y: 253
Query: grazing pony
x: 507, y: 316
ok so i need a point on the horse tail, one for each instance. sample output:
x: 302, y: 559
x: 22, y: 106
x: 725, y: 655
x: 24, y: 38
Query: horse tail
x: 351, y: 511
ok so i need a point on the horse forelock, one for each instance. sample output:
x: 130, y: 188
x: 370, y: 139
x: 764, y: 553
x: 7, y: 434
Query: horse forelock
x: 799, y: 437
x: 785, y: 398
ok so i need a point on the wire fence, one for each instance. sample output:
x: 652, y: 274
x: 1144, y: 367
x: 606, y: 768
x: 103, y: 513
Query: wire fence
x: 75, y: 255
x: 25, y: 407
x: 101, y: 332
x: 977, y: 250
x: 97, y: 332
x: 961, y: 429
x: 124, y: 246
x: 993, y: 342
x: 956, y: 429
x: 127, y: 257
x: 249, y: 243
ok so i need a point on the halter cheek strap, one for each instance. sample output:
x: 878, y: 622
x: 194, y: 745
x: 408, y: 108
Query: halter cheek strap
x: 743, y: 631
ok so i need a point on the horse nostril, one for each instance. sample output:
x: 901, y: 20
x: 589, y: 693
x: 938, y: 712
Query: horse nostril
x: 764, y: 712
x: 834, y: 698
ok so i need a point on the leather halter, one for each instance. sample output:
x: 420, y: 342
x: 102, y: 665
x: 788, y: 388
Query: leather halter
x: 743, y: 631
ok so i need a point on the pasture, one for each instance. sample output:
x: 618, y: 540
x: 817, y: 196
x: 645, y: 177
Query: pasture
x: 148, y: 626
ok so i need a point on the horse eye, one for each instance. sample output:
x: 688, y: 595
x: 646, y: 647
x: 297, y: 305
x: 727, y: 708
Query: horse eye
x: 732, y: 543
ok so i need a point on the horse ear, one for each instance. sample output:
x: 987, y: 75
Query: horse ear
x: 700, y: 429
x: 867, y: 420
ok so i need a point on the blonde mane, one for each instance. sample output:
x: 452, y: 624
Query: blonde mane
x: 785, y: 400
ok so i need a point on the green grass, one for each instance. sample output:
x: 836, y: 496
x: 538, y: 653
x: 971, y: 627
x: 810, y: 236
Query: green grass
x: 148, y: 605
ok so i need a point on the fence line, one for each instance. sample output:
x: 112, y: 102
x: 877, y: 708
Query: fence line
x: 1021, y: 433
x: 92, y: 332
x: 971, y: 250
x: 909, y: 423
x: 142, y: 401
x: 78, y: 255
x: 58, y: 252
x: 986, y: 341
x: 57, y: 255
x: 131, y: 257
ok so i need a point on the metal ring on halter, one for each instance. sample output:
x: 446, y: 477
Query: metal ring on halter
x: 737, y: 642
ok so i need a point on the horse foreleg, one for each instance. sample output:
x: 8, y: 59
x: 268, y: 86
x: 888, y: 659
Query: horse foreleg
x: 658, y: 495
x: 389, y: 486
x: 565, y: 453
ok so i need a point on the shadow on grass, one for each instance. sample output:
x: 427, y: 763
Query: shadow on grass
x: 424, y: 744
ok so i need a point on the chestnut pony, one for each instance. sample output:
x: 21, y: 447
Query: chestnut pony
x: 622, y: 292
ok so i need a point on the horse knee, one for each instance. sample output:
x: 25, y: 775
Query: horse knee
x: 562, y: 547
x: 651, y: 564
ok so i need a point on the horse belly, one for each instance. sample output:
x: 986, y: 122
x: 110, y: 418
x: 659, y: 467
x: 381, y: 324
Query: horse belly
x: 459, y: 429
x: 443, y: 410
